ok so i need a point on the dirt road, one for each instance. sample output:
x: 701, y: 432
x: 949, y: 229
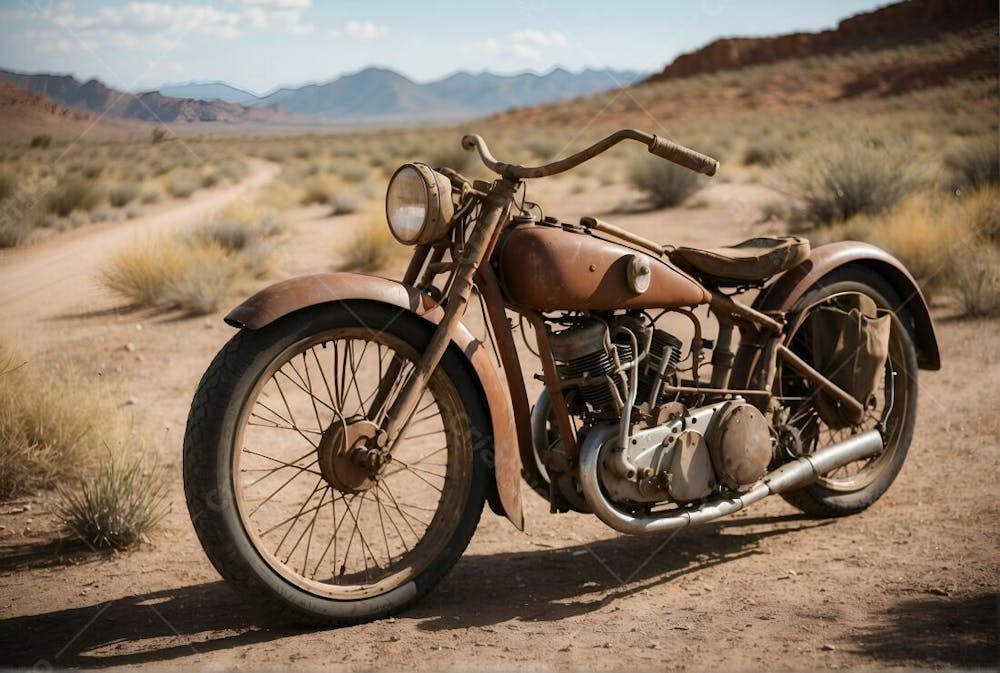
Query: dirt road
x: 49, y: 278
x: 911, y: 582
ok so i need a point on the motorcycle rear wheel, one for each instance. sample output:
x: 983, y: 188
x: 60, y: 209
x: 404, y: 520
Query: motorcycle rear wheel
x: 856, y: 486
x: 287, y: 519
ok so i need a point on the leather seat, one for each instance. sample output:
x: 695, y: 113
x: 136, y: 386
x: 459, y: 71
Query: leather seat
x: 751, y: 261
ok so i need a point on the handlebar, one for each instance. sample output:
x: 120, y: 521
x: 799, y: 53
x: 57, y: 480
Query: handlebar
x: 661, y: 147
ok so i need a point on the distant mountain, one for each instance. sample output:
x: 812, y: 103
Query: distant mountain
x: 209, y: 91
x: 152, y: 106
x: 486, y: 93
x: 380, y: 92
x: 373, y: 92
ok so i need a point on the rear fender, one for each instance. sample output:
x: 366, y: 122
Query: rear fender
x: 783, y: 293
x: 294, y: 294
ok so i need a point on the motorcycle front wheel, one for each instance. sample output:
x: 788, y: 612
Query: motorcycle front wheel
x: 287, y: 514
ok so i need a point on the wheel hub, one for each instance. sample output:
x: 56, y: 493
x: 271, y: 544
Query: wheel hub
x: 349, y: 459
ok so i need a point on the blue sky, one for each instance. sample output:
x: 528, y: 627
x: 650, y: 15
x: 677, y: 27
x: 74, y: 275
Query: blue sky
x: 260, y: 44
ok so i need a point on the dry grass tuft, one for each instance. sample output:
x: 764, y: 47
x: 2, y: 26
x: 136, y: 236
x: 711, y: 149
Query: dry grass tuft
x: 72, y: 194
x: 196, y: 270
x: 950, y: 245
x: 665, y: 184
x: 835, y: 182
x: 974, y: 164
x: 123, y: 193
x: 8, y: 185
x: 372, y: 246
x: 52, y: 424
x: 184, y: 183
x: 116, y: 505
x: 190, y: 275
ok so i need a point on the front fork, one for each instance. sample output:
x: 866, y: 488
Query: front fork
x: 480, y: 245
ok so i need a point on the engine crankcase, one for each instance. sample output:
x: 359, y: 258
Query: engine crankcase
x: 667, y: 462
x: 739, y: 443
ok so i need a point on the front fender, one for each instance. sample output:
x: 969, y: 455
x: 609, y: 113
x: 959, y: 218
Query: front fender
x: 294, y: 294
x: 784, y: 292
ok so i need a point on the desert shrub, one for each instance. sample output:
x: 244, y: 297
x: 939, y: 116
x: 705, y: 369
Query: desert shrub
x: 52, y: 424
x: 123, y: 193
x: 14, y: 230
x: 665, y: 184
x: 171, y: 273
x: 192, y: 271
x: 41, y: 141
x: 318, y: 190
x: 918, y: 233
x: 447, y: 152
x: 158, y: 135
x: 371, y: 247
x: 344, y: 203
x: 230, y: 234
x: 352, y: 170
x: 982, y: 210
x: 184, y: 183
x: 116, y: 505
x: 150, y: 195
x: 846, y: 179
x: 209, y: 180
x: 766, y: 152
x: 71, y: 194
x: 7, y: 185
x: 92, y: 171
x: 974, y: 164
x: 975, y: 278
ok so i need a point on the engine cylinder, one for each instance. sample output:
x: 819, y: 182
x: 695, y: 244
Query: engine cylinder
x: 585, y: 350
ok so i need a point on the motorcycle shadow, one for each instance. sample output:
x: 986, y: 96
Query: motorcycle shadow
x: 545, y: 584
x: 152, y: 627
x: 559, y: 583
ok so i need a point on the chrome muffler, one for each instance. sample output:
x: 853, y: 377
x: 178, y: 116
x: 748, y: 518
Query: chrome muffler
x: 789, y: 477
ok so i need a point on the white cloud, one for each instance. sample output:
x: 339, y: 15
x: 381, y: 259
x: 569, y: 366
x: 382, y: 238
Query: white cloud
x: 135, y: 23
x: 365, y: 29
x: 552, y: 38
x: 528, y: 44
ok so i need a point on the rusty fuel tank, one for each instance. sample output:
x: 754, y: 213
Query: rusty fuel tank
x: 550, y: 268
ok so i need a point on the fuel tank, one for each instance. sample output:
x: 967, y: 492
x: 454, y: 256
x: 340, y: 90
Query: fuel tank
x: 550, y: 268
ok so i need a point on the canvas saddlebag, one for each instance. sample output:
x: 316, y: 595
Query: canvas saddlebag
x: 850, y: 343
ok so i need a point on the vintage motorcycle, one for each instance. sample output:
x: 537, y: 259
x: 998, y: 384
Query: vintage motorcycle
x: 340, y: 448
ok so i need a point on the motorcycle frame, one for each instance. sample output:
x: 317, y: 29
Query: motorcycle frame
x: 475, y: 271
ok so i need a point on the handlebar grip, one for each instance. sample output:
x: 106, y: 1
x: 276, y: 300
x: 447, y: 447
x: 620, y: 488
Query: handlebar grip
x: 683, y: 156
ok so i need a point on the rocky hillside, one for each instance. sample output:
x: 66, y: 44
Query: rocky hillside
x: 908, y: 47
x: 898, y: 24
x: 95, y: 97
x: 24, y: 113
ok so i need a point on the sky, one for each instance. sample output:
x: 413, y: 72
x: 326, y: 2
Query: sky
x: 259, y: 45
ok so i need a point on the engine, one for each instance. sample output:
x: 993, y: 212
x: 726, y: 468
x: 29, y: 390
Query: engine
x: 681, y: 456
x: 592, y: 355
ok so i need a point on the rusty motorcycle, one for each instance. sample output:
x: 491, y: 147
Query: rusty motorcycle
x: 341, y: 447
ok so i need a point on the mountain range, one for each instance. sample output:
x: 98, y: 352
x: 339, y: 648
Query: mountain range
x: 375, y: 92
x: 371, y: 95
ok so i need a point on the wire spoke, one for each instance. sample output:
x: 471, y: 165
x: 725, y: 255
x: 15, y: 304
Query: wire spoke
x: 290, y: 480
x: 288, y: 532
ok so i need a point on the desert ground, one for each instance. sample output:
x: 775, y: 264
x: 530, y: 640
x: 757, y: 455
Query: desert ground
x: 911, y: 582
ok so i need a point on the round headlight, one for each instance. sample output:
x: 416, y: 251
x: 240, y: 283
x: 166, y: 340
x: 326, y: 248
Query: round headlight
x: 418, y: 204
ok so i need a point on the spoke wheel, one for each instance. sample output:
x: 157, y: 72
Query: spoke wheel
x: 310, y: 506
x: 892, y: 407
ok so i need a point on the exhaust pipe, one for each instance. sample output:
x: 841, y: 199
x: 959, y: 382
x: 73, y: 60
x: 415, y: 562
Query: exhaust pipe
x: 789, y: 477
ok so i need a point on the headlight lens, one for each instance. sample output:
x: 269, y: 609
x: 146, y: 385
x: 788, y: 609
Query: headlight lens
x: 418, y: 204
